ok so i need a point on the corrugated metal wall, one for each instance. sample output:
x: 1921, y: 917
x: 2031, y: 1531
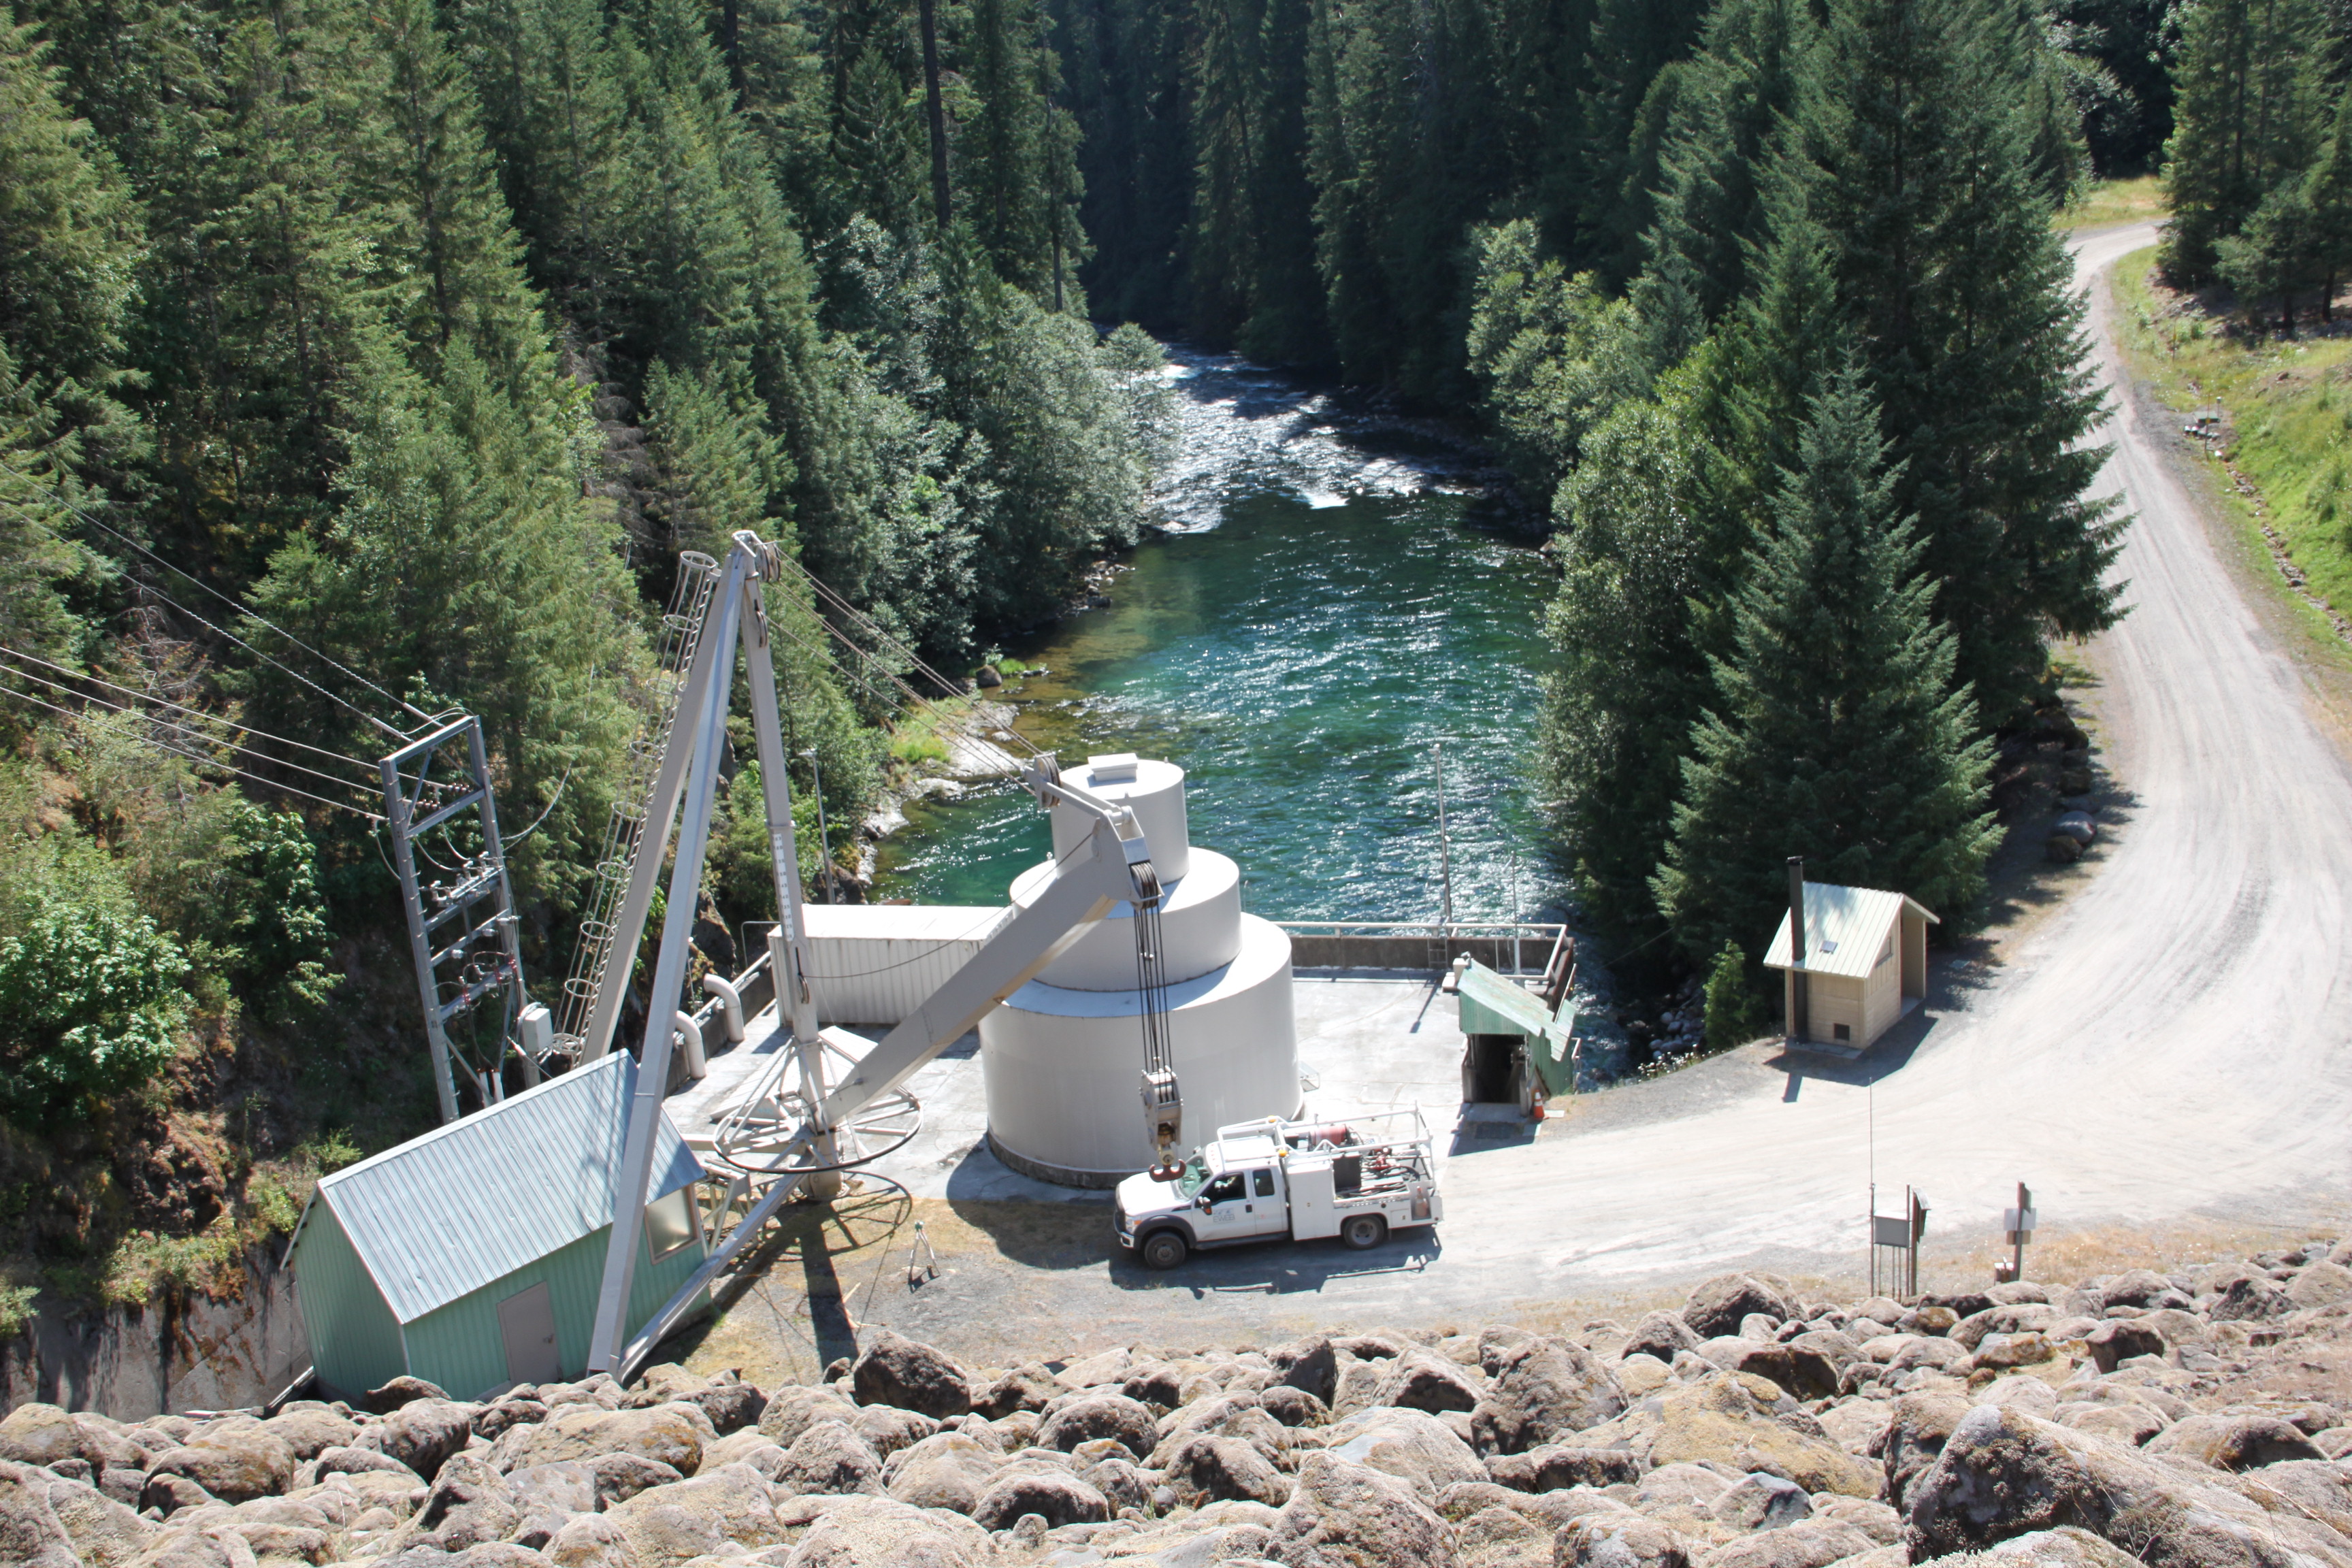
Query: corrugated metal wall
x: 875, y: 963
x: 460, y: 1346
x: 355, y: 1341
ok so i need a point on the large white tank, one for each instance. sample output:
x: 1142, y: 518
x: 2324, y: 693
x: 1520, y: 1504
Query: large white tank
x: 1063, y: 1057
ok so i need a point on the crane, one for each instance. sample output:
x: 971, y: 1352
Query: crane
x: 824, y: 1099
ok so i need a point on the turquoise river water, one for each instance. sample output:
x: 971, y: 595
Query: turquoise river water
x: 1323, y: 615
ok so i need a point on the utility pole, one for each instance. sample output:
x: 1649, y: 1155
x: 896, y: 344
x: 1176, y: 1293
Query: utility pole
x: 1445, y: 844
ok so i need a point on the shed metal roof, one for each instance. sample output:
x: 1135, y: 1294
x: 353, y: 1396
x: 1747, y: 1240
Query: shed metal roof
x: 1846, y: 928
x: 442, y: 1216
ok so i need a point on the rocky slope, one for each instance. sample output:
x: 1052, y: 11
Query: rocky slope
x: 2181, y: 1421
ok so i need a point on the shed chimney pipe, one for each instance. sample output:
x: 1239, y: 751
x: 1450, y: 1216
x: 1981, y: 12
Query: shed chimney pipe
x: 1798, y: 1000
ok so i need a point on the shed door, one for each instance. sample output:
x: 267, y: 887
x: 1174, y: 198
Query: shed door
x: 527, y: 1323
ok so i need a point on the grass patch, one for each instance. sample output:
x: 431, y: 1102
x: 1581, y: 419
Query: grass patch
x: 924, y: 729
x: 2105, y: 203
x: 2285, y: 428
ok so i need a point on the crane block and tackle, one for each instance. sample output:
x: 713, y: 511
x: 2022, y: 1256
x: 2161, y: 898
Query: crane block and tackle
x: 829, y: 1102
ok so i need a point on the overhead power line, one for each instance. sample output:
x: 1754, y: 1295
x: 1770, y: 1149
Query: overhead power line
x: 192, y: 757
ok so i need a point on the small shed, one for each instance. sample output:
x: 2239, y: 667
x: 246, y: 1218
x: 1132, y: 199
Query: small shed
x: 1865, y: 962
x: 1516, y: 1047
x: 473, y: 1257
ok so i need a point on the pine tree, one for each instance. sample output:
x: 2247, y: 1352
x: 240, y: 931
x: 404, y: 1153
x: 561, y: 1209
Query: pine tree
x: 1961, y: 296
x: 1633, y: 42
x: 1754, y: 76
x: 1839, y: 731
x: 2245, y: 120
x: 2327, y: 196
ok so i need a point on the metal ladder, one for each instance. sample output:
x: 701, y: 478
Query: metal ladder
x: 633, y: 802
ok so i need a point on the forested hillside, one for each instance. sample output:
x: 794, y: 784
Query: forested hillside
x: 367, y: 362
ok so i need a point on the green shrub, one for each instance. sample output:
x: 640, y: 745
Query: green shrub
x: 16, y: 1309
x: 90, y: 999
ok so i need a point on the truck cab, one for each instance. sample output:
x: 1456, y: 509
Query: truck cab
x: 1258, y: 1180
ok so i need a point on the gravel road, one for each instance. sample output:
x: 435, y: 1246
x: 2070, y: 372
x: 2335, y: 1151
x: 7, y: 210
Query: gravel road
x: 2173, y: 1042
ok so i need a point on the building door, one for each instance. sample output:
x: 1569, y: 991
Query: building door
x: 527, y: 1323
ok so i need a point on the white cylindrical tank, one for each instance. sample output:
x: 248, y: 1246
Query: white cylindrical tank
x: 1063, y: 1067
x: 1153, y: 790
x: 1199, y: 928
x: 1063, y: 1056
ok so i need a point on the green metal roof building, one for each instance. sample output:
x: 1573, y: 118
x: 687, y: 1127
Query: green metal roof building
x: 472, y: 1256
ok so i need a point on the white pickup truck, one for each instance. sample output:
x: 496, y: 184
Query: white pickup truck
x: 1357, y: 1179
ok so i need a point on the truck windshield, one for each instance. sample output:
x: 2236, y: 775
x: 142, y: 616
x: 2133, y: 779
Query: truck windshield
x: 1196, y: 1176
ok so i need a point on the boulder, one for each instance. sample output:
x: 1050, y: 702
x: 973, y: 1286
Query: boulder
x: 1342, y: 1512
x: 1124, y: 1486
x: 2118, y: 1340
x: 1717, y: 1306
x: 2123, y: 1422
x: 1207, y: 1467
x: 2004, y: 1473
x: 726, y: 1506
x: 1502, y: 1538
x: 422, y: 1430
x: 1553, y: 1467
x: 2133, y: 1288
x: 1916, y: 1430
x: 104, y: 1533
x: 1411, y: 1444
x: 2321, y: 1284
x: 895, y: 1370
x: 402, y: 1390
x: 31, y: 1534
x: 1761, y: 1502
x: 2234, y: 1442
x: 1681, y: 1495
x: 1721, y: 1419
x: 1092, y: 1416
x: 1156, y: 1382
x: 36, y: 1434
x: 1660, y: 1334
x: 948, y: 1470
x: 359, y: 1461
x: 1808, y: 1544
x: 2066, y: 1547
x: 671, y: 1435
x: 231, y: 1465
x: 887, y: 1428
x: 792, y: 1411
x: 1058, y: 1498
x: 1026, y: 1387
x: 547, y: 1496
x: 829, y: 1459
x: 1310, y: 1363
x: 1874, y: 1519
x: 1293, y: 1406
x: 860, y: 1532
x: 1496, y: 1340
x: 2004, y: 1351
x: 588, y: 1541
x: 309, y: 1428
x: 1613, y: 1540
x: 2251, y: 1298
x: 1802, y: 1370
x: 1421, y: 1380
x: 2019, y: 1318
x: 1545, y: 1389
x: 471, y: 1502
x: 620, y: 1476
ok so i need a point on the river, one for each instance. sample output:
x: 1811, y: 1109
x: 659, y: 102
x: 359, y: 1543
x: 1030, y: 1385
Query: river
x: 1322, y: 612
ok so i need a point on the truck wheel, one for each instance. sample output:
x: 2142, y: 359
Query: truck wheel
x: 1163, y: 1249
x: 1363, y: 1230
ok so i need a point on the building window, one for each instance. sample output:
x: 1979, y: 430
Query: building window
x: 1840, y: 1032
x: 670, y: 1223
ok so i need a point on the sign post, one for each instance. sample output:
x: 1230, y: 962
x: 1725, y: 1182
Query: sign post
x: 2018, y: 1222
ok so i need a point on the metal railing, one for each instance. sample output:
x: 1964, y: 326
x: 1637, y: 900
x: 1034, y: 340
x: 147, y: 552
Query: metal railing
x: 1509, y: 947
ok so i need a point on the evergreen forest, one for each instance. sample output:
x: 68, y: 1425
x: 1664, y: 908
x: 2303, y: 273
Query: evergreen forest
x: 362, y: 363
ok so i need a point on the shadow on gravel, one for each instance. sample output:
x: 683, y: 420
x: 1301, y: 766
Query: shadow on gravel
x: 1280, y: 1267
